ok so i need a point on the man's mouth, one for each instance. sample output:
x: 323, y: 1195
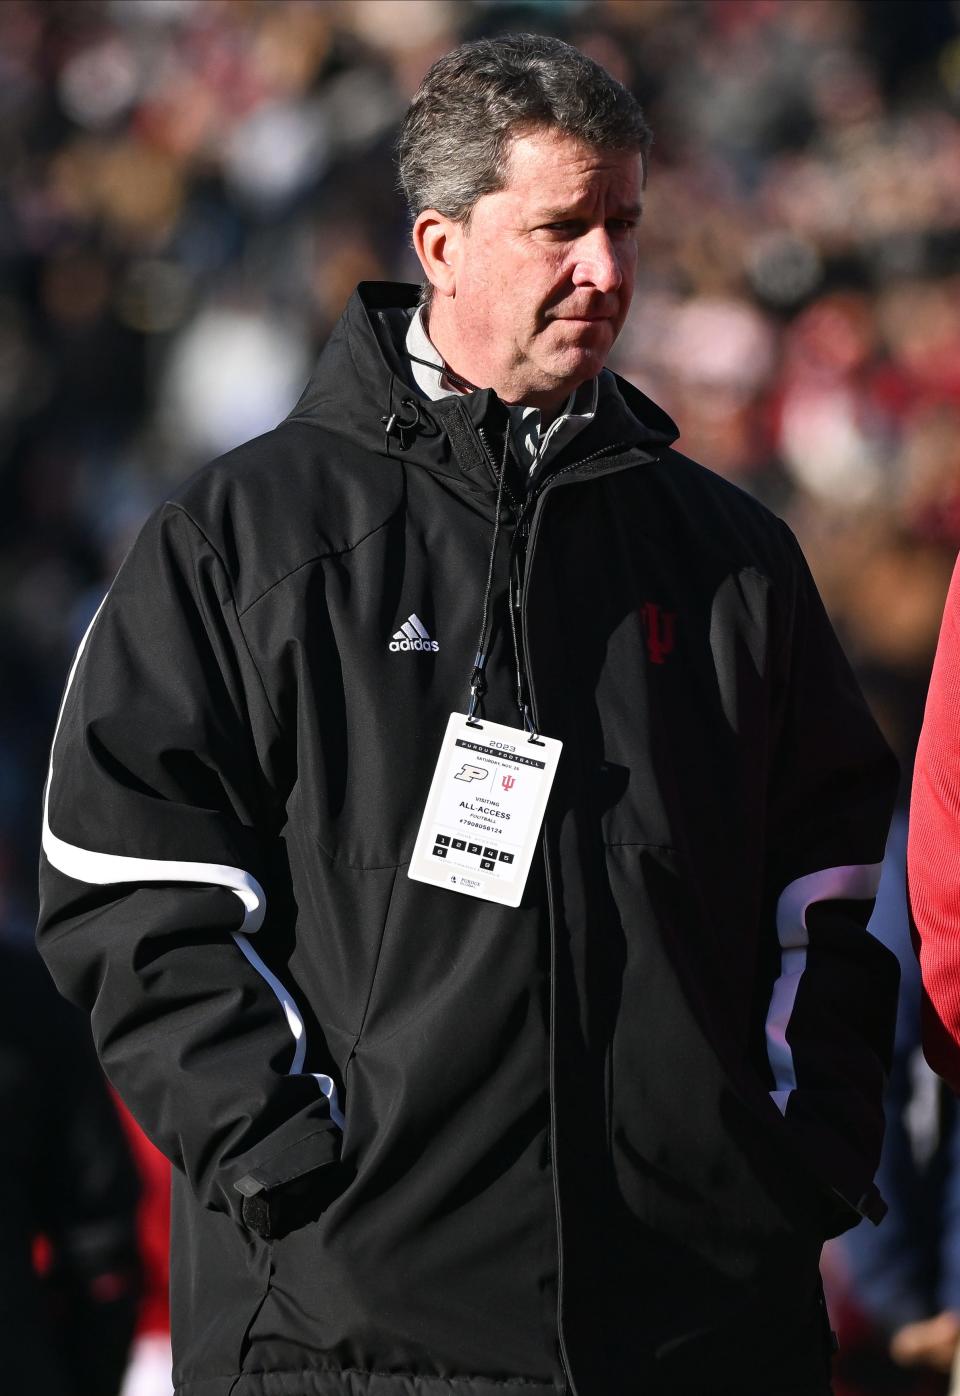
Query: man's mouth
x: 585, y: 319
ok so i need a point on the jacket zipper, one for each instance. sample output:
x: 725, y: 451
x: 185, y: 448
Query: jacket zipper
x: 523, y: 563
x: 525, y: 517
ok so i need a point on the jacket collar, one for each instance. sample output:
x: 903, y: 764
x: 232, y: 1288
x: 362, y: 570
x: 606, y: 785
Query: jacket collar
x: 360, y: 390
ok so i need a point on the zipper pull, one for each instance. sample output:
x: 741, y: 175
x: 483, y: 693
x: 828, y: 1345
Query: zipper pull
x: 523, y: 707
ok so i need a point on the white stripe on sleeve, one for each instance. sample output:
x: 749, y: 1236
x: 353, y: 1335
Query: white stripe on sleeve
x: 295, y: 1023
x: 104, y: 869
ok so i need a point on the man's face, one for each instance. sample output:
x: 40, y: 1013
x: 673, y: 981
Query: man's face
x: 544, y: 271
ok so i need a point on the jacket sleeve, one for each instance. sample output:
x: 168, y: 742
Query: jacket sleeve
x: 933, y: 850
x: 159, y: 827
x: 832, y: 1012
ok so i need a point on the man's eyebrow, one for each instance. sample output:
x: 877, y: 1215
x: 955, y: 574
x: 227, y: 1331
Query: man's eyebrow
x: 571, y: 213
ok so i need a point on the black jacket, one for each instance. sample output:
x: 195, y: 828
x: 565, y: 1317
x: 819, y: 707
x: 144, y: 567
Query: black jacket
x: 597, y: 1139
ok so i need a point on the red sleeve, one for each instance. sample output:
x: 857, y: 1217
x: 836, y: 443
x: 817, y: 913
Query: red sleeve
x: 933, y: 855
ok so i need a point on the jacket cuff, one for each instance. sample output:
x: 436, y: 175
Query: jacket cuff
x: 871, y: 1205
x: 296, y: 1151
x: 844, y: 1168
x: 289, y: 1185
x: 290, y: 1161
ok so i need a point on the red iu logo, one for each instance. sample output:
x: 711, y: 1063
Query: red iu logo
x: 659, y: 629
x: 508, y: 782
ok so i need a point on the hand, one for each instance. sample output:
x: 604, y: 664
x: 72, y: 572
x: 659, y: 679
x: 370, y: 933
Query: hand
x: 932, y: 1342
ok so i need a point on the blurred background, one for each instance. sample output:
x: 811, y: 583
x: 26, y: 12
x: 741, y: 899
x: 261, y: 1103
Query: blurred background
x: 189, y: 191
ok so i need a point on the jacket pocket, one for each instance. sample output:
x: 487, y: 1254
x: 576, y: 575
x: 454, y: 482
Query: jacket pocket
x: 686, y: 1142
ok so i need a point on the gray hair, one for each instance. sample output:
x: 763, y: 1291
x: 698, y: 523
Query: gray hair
x: 454, y: 143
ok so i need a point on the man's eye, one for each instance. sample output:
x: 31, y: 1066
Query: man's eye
x: 571, y: 228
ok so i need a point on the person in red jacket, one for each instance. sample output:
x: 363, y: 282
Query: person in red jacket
x: 149, y: 1368
x: 933, y: 851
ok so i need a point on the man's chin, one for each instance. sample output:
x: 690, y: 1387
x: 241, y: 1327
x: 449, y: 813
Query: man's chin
x: 591, y: 339
x: 555, y: 372
x: 577, y: 363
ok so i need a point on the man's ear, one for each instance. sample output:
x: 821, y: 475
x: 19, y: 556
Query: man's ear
x: 437, y: 241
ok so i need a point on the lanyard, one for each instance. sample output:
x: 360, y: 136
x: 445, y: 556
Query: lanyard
x: 478, y: 681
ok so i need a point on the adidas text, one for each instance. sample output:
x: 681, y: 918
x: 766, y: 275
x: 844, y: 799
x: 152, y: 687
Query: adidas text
x: 406, y: 644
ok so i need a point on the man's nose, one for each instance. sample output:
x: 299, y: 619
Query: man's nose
x: 598, y: 263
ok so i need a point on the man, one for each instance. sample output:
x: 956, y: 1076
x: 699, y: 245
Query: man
x: 591, y: 1142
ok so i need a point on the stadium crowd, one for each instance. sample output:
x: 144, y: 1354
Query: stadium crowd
x: 190, y: 189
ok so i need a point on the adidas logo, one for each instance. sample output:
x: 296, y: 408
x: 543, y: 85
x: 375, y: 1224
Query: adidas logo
x: 412, y: 635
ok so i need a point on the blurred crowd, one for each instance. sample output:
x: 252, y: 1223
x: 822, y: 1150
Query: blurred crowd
x: 190, y: 189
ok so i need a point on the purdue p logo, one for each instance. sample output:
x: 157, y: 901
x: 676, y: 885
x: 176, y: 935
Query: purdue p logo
x: 469, y: 773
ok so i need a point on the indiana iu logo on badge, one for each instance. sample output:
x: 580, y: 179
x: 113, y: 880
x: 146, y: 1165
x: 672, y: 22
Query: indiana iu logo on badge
x: 485, y: 810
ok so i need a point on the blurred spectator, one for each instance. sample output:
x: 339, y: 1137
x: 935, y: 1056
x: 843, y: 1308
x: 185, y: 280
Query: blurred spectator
x: 897, y: 1287
x: 69, y: 1271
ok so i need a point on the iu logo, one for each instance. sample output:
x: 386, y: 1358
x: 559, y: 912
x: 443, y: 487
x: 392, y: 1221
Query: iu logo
x: 659, y: 629
x: 508, y: 782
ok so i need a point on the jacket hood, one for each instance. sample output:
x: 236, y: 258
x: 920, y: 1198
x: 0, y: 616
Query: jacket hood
x: 360, y: 389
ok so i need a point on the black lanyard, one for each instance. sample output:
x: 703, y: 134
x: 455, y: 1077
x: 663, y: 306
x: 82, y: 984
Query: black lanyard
x: 478, y: 681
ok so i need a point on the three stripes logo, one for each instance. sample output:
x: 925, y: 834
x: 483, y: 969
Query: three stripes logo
x: 413, y: 635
